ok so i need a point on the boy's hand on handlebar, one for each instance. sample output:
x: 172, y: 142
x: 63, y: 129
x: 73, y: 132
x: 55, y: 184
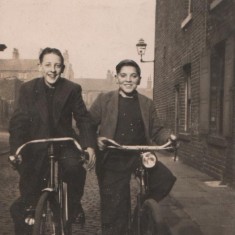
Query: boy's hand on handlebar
x: 91, y: 160
x: 174, y: 141
x: 102, y: 142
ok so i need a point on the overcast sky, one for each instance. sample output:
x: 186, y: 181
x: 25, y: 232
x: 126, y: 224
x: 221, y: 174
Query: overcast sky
x: 97, y: 34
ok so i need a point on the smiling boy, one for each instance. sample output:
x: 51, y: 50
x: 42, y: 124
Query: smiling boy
x: 45, y: 109
x: 129, y: 118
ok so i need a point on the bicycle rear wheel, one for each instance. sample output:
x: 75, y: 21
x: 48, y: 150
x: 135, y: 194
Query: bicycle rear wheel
x: 151, y: 221
x: 47, y: 216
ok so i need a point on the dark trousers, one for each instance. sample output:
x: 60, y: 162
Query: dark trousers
x: 115, y: 195
x: 32, y: 181
x: 115, y: 201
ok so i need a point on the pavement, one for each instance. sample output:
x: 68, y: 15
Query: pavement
x: 197, y: 204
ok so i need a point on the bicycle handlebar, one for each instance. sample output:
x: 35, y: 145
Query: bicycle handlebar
x: 49, y: 140
x: 114, y: 145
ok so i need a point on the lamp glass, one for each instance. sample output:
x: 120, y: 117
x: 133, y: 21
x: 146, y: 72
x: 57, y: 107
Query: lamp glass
x: 141, y: 47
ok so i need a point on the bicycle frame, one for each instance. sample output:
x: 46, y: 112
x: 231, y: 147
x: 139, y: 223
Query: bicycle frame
x: 55, y: 183
x: 142, y: 175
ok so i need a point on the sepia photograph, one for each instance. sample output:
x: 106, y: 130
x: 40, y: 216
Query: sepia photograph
x: 117, y: 117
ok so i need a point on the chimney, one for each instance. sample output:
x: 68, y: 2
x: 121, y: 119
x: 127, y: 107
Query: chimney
x: 149, y: 83
x: 66, y: 56
x: 15, y: 54
x: 110, y: 76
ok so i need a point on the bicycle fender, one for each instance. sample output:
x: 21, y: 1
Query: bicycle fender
x: 48, y: 190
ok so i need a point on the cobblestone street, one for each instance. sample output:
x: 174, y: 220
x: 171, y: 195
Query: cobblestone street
x: 193, y: 207
x: 9, y: 192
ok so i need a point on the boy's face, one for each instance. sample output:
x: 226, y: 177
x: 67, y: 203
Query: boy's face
x: 51, y: 67
x: 128, y: 79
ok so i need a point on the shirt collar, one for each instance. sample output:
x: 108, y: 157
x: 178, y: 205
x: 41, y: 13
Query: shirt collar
x: 51, y: 86
x: 133, y: 94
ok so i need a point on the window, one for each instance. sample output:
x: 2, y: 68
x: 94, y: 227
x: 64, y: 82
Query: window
x: 189, y: 4
x: 177, y: 108
x: 217, y: 89
x: 188, y: 18
x: 188, y: 97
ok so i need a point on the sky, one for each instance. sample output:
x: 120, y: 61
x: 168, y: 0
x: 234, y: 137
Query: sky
x: 97, y: 34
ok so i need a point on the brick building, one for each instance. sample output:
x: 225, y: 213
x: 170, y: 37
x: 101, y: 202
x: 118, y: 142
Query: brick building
x: 194, y: 89
x: 27, y: 69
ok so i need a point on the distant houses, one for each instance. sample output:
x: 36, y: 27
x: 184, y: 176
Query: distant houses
x: 23, y: 69
x: 27, y: 69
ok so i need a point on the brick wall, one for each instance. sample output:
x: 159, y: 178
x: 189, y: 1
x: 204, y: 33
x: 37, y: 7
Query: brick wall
x: 180, y: 39
x: 176, y: 47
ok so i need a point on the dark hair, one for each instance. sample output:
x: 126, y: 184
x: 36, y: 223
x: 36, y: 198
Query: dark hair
x: 49, y: 50
x: 128, y: 63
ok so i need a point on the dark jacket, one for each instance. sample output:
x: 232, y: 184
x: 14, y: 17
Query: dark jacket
x: 30, y: 120
x: 104, y: 112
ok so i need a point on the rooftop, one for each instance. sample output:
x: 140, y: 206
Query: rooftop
x: 18, y: 65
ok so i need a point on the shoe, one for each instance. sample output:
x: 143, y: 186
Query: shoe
x: 29, y: 216
x: 78, y: 216
x: 80, y: 219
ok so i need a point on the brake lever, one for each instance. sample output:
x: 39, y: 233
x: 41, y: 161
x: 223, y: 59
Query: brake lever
x: 111, y: 144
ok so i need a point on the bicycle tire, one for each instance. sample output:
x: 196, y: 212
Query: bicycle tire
x: 47, y: 216
x: 151, y: 221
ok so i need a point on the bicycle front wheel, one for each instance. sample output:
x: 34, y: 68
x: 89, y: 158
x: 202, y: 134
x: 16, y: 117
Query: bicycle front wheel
x: 151, y: 221
x: 47, y: 216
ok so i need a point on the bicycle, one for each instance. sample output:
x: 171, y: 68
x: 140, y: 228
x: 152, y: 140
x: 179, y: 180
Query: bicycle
x: 146, y: 218
x: 51, y: 216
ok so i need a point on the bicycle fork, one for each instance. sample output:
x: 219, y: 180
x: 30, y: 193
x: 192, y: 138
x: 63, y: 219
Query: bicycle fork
x: 140, y: 201
x: 138, y: 209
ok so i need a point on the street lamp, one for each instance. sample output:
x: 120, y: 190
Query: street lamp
x: 141, y: 47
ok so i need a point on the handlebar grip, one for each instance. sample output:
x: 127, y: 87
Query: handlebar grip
x: 174, y: 140
x: 173, y: 137
x: 15, y: 161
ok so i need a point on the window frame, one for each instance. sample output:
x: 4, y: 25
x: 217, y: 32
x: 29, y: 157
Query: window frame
x: 187, y: 97
x: 189, y: 16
